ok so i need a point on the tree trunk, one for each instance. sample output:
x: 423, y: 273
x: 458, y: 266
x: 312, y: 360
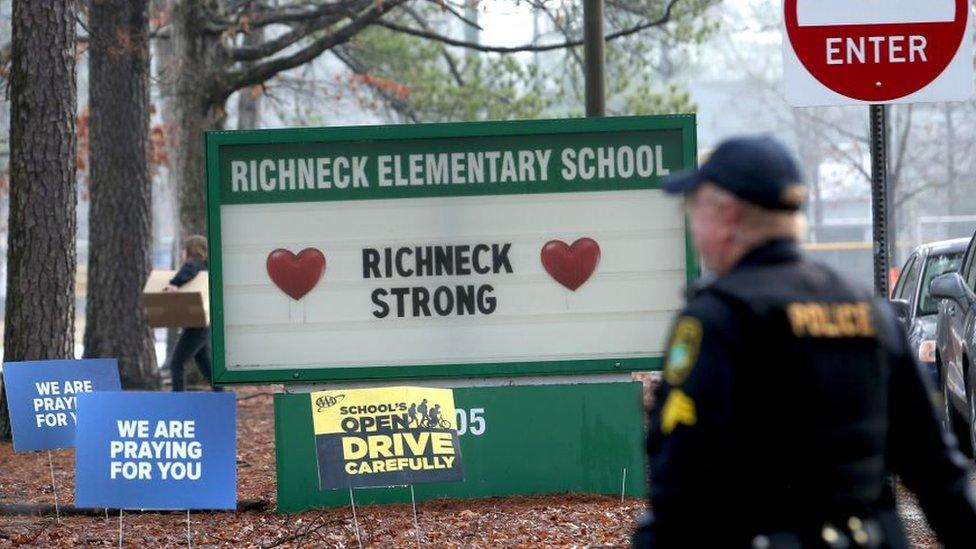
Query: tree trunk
x: 811, y: 156
x: 249, y: 109
x: 41, y: 254
x: 166, y: 68
x: 249, y: 99
x: 166, y: 190
x: 198, y: 107
x: 192, y: 120
x: 952, y: 173
x: 121, y: 192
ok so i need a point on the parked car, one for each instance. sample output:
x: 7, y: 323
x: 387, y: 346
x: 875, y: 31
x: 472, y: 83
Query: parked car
x: 955, y: 347
x: 914, y: 304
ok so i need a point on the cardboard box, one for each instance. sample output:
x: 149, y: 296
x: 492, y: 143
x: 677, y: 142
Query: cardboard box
x: 187, y: 307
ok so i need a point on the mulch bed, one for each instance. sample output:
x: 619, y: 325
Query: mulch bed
x: 529, y: 521
x: 532, y: 521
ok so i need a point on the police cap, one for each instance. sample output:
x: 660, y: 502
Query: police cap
x: 757, y: 169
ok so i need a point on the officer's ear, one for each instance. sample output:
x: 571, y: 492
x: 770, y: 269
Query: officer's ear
x: 736, y: 211
x: 732, y: 211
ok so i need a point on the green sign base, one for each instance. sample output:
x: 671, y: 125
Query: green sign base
x: 515, y: 440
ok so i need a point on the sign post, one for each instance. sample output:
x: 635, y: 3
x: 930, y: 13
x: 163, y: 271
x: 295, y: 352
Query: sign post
x: 880, y: 216
x: 594, y: 58
x: 877, y: 53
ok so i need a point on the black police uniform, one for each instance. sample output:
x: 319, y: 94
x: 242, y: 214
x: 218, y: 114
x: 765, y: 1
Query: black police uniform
x: 787, y: 397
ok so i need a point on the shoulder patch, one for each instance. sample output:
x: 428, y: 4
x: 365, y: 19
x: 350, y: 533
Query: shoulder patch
x: 683, y: 350
x: 679, y: 409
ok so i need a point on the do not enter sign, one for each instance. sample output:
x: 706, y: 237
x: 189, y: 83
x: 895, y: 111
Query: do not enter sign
x: 877, y: 51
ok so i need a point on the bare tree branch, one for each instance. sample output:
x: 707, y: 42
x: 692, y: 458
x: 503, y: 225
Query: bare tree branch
x: 622, y: 6
x: 162, y: 32
x: 83, y: 24
x: 244, y: 77
x: 451, y: 65
x: 445, y: 6
x: 906, y: 197
x: 902, y: 145
x: 853, y: 136
x: 358, y: 67
x: 664, y: 19
x: 236, y: 6
x: 563, y: 29
x: 247, y: 52
x: 267, y: 15
x: 852, y: 160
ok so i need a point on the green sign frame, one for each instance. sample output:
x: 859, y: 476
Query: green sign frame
x: 535, y: 439
x: 678, y: 128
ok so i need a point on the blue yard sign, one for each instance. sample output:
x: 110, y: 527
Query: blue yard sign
x: 139, y: 450
x: 42, y: 397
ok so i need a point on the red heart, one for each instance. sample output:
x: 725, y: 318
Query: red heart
x: 296, y: 275
x: 571, y: 266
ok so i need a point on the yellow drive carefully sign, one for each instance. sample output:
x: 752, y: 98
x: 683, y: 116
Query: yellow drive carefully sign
x: 389, y: 436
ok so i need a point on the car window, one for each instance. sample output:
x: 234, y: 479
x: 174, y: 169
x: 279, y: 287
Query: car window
x: 901, y: 288
x: 967, y: 272
x: 971, y: 275
x: 911, y: 280
x: 935, y: 265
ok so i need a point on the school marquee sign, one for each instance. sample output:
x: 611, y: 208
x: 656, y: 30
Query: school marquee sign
x: 445, y: 250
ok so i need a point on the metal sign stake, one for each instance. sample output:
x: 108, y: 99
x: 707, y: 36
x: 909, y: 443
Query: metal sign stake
x: 355, y: 520
x: 54, y: 486
x: 623, y: 486
x: 416, y: 523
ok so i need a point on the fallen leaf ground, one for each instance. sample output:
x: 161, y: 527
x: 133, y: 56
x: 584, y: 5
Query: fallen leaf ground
x: 564, y: 520
x: 536, y: 521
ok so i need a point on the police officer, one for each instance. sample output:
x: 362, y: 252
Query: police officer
x: 788, y: 394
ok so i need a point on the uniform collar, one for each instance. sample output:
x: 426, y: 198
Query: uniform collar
x: 772, y: 252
